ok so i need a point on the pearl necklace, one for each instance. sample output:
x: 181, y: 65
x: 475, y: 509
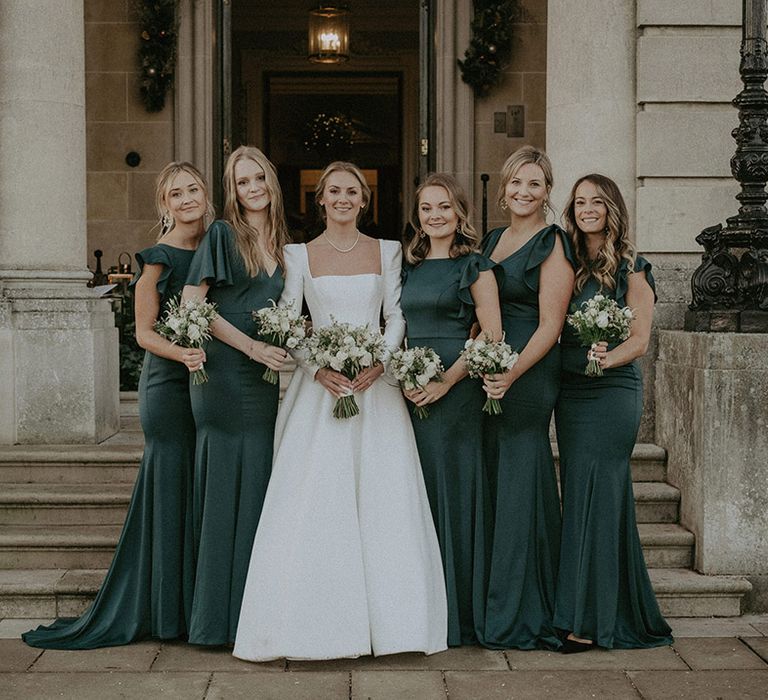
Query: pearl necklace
x: 335, y: 247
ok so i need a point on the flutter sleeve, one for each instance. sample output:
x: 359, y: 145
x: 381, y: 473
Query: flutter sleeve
x: 295, y: 255
x: 641, y: 265
x: 394, y: 322
x: 156, y: 255
x: 540, y: 250
x: 213, y: 260
x: 475, y: 264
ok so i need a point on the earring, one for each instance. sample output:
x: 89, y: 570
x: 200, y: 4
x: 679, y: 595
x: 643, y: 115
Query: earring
x: 421, y: 233
x: 459, y: 230
x: 167, y: 222
x: 503, y: 205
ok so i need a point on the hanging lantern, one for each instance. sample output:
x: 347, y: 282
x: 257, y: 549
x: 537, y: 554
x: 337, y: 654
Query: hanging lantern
x: 329, y: 34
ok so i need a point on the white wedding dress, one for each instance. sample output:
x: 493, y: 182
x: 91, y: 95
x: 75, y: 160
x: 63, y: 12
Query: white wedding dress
x: 345, y: 561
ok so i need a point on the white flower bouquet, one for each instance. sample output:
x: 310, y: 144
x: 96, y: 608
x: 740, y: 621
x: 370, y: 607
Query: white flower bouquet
x: 600, y: 319
x: 347, y: 349
x: 483, y: 356
x: 188, y: 325
x: 278, y: 326
x: 414, y: 368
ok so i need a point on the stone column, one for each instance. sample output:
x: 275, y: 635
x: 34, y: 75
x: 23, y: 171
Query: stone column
x: 58, y: 344
x: 712, y: 417
x: 591, y: 102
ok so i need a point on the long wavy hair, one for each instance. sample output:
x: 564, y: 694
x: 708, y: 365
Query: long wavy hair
x: 616, y: 245
x: 466, y: 239
x: 522, y: 156
x: 163, y: 184
x: 255, y: 245
x: 342, y: 166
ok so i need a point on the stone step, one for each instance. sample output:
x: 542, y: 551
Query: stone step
x: 50, y: 593
x: 64, y: 504
x: 687, y: 593
x: 656, y: 502
x: 649, y: 462
x: 666, y: 546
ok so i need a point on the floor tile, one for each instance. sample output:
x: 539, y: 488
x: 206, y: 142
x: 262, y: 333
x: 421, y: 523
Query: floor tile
x: 712, y: 627
x: 11, y: 628
x: 279, y: 686
x: 759, y: 645
x: 132, y: 657
x: 547, y: 685
x: 16, y: 656
x: 460, y: 659
x: 717, y: 653
x: 596, y: 660
x: 701, y: 685
x: 397, y: 685
x: 178, y: 656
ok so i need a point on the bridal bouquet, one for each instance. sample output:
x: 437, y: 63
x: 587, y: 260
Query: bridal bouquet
x: 483, y: 356
x: 278, y: 326
x: 600, y: 319
x: 414, y: 368
x: 347, y: 349
x: 188, y: 325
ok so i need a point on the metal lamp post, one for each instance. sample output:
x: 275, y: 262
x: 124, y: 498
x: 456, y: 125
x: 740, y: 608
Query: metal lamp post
x: 730, y: 286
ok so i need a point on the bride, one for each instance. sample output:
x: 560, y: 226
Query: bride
x: 345, y: 561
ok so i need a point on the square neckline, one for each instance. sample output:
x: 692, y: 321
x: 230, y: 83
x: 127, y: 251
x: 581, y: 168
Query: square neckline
x: 357, y: 274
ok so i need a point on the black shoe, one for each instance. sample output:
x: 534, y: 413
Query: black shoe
x: 571, y: 646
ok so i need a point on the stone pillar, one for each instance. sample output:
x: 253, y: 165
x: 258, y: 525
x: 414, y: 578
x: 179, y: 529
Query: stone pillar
x: 712, y: 417
x: 591, y: 101
x: 58, y: 344
x: 455, y: 101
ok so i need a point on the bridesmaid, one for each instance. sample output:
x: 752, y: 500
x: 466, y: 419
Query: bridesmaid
x: 148, y: 588
x: 447, y: 285
x: 604, y: 595
x: 239, y: 267
x: 519, y: 566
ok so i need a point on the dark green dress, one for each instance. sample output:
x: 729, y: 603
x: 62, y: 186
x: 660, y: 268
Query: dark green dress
x: 603, y: 589
x: 439, y: 313
x: 235, y: 415
x: 517, y: 563
x: 148, y: 588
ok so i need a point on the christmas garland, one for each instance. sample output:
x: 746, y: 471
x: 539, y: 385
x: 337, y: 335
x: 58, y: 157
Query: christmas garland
x: 490, y: 46
x: 157, y: 50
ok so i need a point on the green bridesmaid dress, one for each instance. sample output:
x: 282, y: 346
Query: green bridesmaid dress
x: 518, y: 558
x: 439, y: 313
x: 235, y: 414
x: 603, y: 590
x: 148, y: 588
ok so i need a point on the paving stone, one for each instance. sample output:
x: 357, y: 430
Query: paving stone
x: 279, y: 686
x: 178, y: 656
x: 700, y: 685
x: 663, y: 658
x: 459, y: 659
x: 759, y: 645
x: 16, y: 656
x: 717, y: 653
x: 574, y: 685
x: 712, y: 627
x: 132, y: 657
x: 761, y: 627
x: 396, y: 685
x: 12, y: 628
x: 98, y: 686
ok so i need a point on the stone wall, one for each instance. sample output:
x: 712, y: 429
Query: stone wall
x: 120, y: 198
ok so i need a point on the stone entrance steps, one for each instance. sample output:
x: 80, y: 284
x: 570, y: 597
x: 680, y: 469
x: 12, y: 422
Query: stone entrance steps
x: 62, y: 508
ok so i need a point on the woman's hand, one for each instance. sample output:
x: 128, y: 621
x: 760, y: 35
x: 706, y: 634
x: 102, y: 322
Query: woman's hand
x: 334, y: 382
x: 193, y: 358
x: 434, y: 391
x: 366, y: 378
x: 496, y: 385
x: 269, y: 355
x: 599, y: 352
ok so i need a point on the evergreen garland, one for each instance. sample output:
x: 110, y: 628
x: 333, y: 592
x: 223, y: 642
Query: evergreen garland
x: 157, y: 50
x: 490, y: 46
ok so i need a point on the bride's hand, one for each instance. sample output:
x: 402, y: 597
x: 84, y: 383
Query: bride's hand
x: 334, y: 382
x: 269, y: 355
x: 367, y: 377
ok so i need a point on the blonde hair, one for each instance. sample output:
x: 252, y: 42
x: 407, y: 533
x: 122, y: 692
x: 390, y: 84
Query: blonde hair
x: 341, y: 166
x: 249, y: 240
x: 522, y: 156
x: 466, y: 239
x: 163, y: 187
x: 616, y: 246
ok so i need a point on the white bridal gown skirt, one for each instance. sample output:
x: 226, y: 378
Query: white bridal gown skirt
x: 346, y: 560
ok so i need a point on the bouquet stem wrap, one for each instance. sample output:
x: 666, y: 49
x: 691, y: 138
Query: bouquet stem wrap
x: 482, y: 357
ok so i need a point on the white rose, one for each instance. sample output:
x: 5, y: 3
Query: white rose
x: 174, y: 324
x: 292, y: 343
x: 602, y: 320
x: 366, y: 360
x: 598, y: 297
x: 422, y: 379
x: 194, y: 332
x: 627, y: 312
